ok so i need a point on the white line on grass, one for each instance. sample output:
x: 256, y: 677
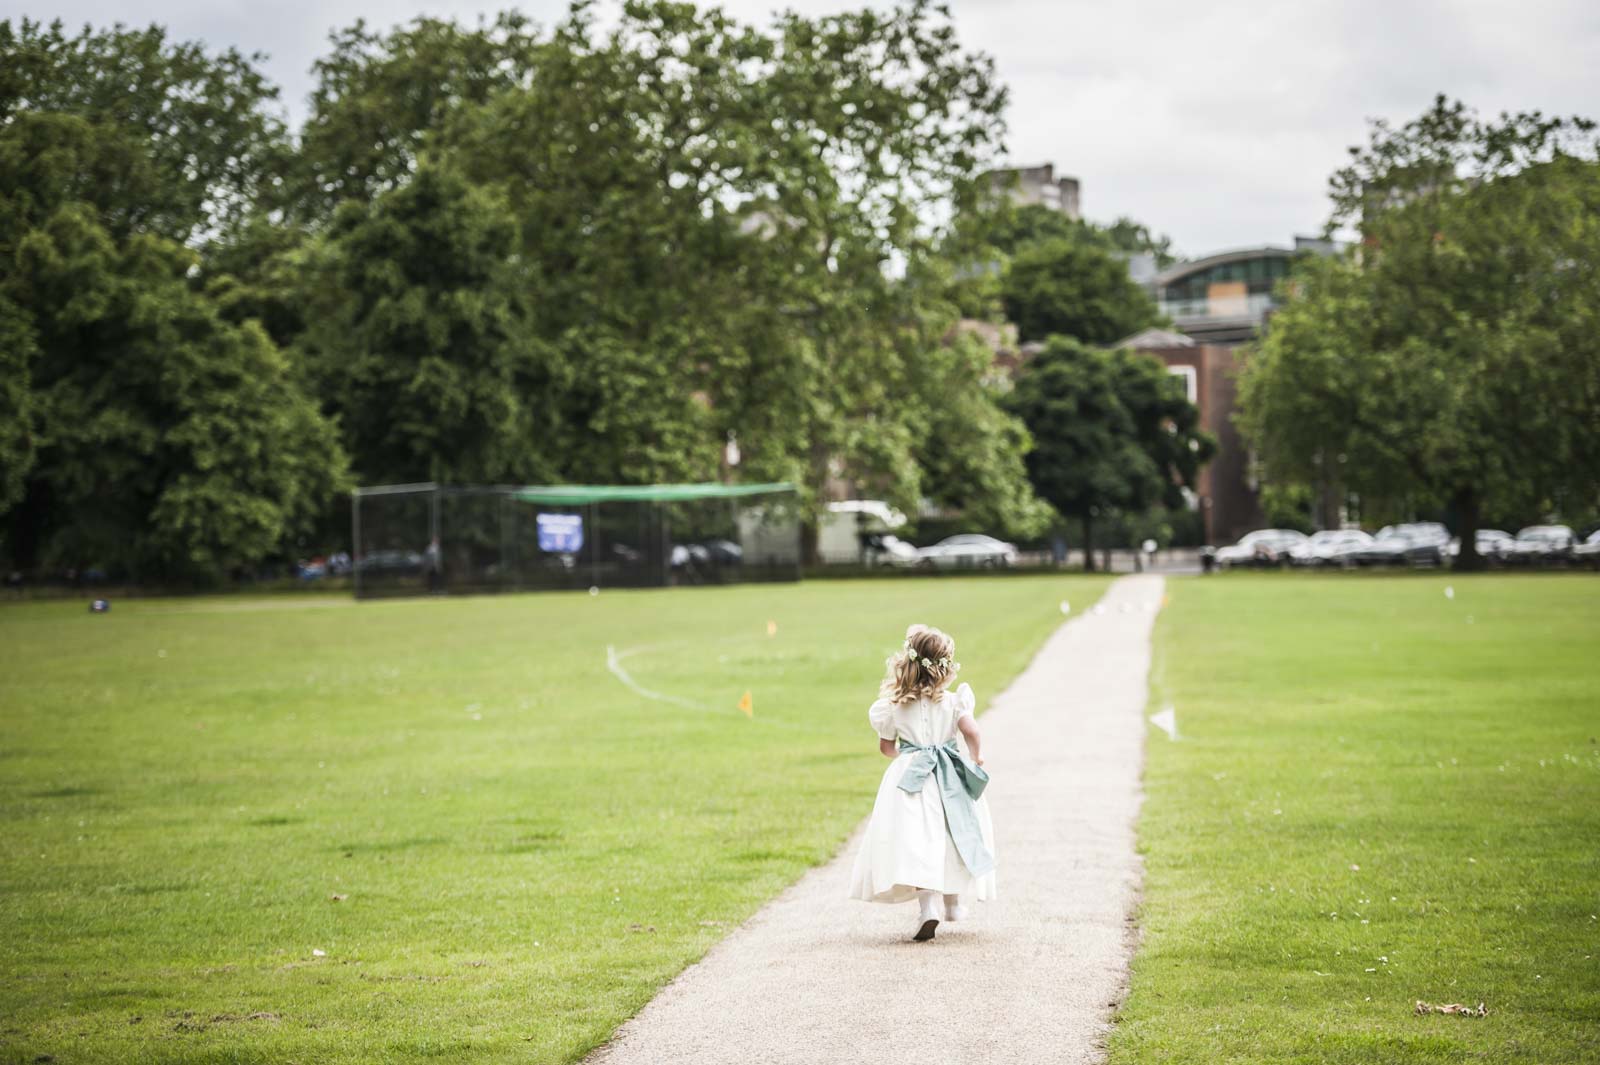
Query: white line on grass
x: 614, y: 664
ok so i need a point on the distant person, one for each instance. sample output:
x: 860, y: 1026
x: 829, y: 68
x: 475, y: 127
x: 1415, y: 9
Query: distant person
x: 433, y: 566
x: 930, y: 837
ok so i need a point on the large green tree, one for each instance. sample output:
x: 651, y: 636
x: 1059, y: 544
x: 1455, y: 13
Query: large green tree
x: 1454, y: 359
x: 1112, y: 431
x: 151, y: 435
x: 418, y: 338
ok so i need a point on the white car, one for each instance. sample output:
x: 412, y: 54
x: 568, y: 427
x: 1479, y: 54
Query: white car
x: 1493, y: 545
x: 1541, y: 543
x: 968, y: 549
x: 1260, y: 548
x: 1589, y: 550
x: 1328, y: 547
x: 890, y: 550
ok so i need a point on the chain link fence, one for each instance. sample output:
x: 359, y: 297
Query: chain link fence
x: 422, y: 539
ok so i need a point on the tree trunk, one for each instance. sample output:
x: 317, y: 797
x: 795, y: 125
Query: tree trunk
x: 809, y: 531
x: 1467, y: 506
x: 1088, y: 544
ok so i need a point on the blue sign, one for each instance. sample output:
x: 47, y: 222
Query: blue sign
x: 561, y: 533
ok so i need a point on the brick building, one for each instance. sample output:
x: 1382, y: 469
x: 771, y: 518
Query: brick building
x: 1217, y: 305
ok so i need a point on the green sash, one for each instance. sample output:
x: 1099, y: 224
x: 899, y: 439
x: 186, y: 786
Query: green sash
x: 961, y: 782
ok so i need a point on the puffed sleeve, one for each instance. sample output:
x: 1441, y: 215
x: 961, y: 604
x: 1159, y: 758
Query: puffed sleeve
x: 881, y: 714
x: 966, y: 702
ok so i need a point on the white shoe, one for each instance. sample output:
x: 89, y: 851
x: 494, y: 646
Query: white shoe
x: 953, y: 910
x: 928, y: 920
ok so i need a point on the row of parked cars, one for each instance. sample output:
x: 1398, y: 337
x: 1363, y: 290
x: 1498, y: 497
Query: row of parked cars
x: 1418, y: 543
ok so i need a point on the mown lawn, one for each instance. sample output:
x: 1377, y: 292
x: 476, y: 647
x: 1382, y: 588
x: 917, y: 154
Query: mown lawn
x: 522, y: 849
x: 1380, y: 795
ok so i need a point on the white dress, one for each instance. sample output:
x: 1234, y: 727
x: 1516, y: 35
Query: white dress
x: 907, y: 845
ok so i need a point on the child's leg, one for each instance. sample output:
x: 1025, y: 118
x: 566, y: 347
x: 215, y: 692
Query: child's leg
x: 928, y: 915
x: 953, y: 910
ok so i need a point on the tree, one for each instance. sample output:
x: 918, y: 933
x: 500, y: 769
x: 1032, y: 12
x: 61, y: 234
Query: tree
x: 969, y: 448
x: 168, y: 441
x: 196, y: 146
x: 987, y: 237
x: 1076, y: 288
x: 17, y: 352
x: 1112, y: 430
x: 380, y: 98
x: 1454, y: 361
x: 708, y: 215
x: 1127, y: 235
x: 156, y: 439
x: 417, y: 337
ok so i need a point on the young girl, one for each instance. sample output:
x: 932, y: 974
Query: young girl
x: 930, y: 833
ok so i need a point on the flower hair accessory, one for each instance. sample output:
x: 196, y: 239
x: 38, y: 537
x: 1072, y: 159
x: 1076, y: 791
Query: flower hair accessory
x: 944, y: 662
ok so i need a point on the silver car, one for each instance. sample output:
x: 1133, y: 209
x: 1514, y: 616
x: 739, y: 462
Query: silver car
x: 1493, y: 545
x: 1264, y: 547
x: 1539, y: 544
x: 1588, y: 552
x: 968, y: 549
x: 1329, y: 547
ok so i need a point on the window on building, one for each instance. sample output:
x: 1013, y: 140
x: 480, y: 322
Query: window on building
x: 1191, y: 381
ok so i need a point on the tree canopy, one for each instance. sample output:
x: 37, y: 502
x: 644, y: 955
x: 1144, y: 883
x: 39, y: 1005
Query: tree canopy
x: 1112, y: 431
x: 499, y: 252
x: 1453, y: 359
x: 1076, y: 288
x: 145, y: 432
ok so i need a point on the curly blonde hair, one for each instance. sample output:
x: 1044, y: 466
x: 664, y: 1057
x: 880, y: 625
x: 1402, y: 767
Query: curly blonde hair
x: 923, y: 668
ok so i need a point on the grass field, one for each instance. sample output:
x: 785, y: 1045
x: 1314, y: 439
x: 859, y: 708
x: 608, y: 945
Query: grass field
x: 1380, y: 795
x: 499, y: 851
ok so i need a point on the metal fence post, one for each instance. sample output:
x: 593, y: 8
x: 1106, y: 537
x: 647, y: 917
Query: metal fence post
x: 355, y: 539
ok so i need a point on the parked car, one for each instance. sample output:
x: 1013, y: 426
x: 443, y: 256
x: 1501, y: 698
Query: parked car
x: 393, y: 561
x: 887, y: 549
x: 1329, y: 547
x: 724, y: 552
x: 1264, y: 547
x: 1588, y: 552
x: 1417, y: 543
x: 968, y: 549
x: 1493, y: 545
x: 1542, y: 545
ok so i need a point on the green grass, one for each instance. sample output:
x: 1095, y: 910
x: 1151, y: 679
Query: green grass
x: 1380, y: 795
x: 527, y: 849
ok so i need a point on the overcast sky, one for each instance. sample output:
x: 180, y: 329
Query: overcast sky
x: 1215, y: 122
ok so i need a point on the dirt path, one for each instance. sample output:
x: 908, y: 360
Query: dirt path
x: 816, y: 979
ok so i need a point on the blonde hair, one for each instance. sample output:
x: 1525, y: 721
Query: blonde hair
x: 923, y: 668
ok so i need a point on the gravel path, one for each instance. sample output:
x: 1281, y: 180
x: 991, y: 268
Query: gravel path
x: 816, y: 979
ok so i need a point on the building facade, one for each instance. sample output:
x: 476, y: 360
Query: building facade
x: 1037, y: 185
x: 1217, y: 304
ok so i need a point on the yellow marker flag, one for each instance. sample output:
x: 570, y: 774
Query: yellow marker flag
x: 745, y: 705
x: 772, y: 628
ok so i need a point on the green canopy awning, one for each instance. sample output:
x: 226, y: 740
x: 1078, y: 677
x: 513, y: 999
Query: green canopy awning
x: 578, y: 494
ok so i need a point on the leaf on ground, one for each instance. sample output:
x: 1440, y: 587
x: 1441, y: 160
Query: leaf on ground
x: 1452, y: 1007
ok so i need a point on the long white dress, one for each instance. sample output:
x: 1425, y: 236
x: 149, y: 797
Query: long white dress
x: 907, y: 845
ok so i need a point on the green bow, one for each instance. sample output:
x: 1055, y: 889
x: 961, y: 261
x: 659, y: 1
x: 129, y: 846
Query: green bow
x: 961, y: 782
